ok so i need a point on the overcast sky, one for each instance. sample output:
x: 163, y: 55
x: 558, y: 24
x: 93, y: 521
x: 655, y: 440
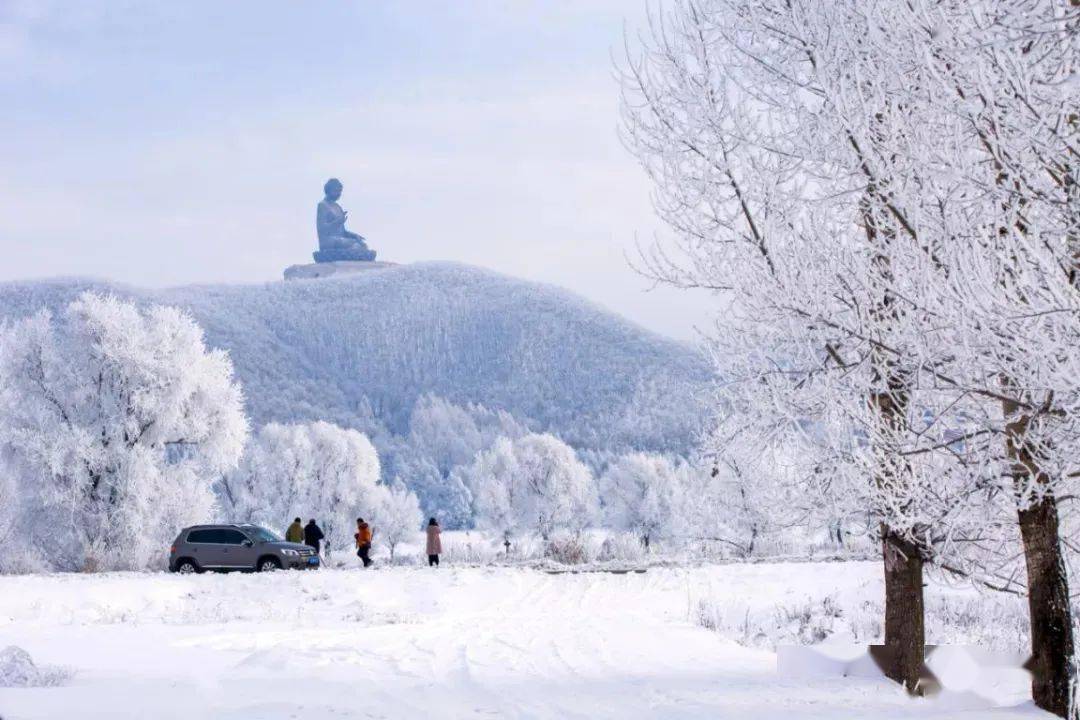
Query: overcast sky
x: 180, y: 142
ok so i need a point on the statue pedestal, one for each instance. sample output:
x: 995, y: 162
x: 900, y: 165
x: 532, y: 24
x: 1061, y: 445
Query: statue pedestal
x: 362, y: 254
x: 333, y: 269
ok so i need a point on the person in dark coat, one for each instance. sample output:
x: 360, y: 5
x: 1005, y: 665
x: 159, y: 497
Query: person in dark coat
x: 313, y: 535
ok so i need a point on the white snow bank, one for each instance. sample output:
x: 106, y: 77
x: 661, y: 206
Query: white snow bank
x: 812, y: 613
x: 956, y: 667
x: 17, y: 670
x: 452, y: 642
x: 826, y: 660
x: 964, y: 676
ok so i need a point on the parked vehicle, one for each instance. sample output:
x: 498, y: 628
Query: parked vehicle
x: 237, y: 547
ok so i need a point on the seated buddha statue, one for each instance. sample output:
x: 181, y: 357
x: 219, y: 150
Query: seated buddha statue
x: 335, y: 242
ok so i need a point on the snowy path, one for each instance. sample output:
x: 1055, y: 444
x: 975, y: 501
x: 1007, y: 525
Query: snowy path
x: 411, y: 642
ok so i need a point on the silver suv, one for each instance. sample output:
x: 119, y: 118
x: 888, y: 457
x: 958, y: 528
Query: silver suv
x: 236, y: 547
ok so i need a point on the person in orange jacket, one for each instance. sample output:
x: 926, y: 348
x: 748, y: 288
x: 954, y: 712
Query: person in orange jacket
x: 363, y: 536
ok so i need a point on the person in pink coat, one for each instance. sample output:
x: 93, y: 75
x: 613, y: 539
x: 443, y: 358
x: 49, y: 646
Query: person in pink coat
x: 434, y: 542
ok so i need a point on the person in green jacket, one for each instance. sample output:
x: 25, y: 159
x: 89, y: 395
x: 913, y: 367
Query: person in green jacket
x: 295, y: 533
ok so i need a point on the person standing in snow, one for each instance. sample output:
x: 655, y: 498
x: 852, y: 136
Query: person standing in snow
x: 363, y: 536
x: 295, y: 533
x: 313, y: 535
x: 434, y: 542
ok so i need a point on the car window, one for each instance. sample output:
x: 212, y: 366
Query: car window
x: 201, y: 536
x: 261, y: 534
x: 231, y: 537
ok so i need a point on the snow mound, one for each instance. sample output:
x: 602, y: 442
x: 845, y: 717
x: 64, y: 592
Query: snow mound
x: 276, y: 660
x: 953, y: 669
x: 17, y: 669
x: 824, y: 660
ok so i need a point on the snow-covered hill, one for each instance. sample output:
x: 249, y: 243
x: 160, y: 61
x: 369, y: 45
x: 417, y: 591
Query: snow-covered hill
x: 363, y: 348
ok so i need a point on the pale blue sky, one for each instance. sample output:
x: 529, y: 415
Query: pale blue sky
x: 178, y: 142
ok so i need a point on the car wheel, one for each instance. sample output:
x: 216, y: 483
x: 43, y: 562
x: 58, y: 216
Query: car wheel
x: 269, y: 564
x: 187, y: 567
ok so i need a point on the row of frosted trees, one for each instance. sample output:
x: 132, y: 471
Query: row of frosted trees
x: 118, y: 426
x: 887, y: 195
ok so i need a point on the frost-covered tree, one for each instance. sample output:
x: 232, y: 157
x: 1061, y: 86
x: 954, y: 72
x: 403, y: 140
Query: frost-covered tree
x: 974, y: 138
x: 643, y: 493
x: 13, y: 509
x: 441, y: 496
x: 442, y: 436
x: 396, y: 516
x: 451, y: 435
x: 736, y: 118
x: 890, y: 273
x: 754, y: 493
x: 314, y: 470
x: 443, y: 432
x: 1008, y: 73
x: 114, y: 420
x: 490, y: 479
x: 532, y: 484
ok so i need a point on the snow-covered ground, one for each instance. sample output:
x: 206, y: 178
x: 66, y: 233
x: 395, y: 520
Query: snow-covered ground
x: 453, y: 642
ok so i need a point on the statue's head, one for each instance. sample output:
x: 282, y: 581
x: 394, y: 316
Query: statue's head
x: 332, y: 188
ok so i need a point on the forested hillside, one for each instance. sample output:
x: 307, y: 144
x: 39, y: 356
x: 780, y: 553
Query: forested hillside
x: 361, y: 350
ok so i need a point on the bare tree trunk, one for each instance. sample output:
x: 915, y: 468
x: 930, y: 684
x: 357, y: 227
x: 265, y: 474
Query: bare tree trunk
x: 905, y: 632
x: 1053, y: 652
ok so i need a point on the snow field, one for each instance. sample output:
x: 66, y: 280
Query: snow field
x: 453, y: 642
